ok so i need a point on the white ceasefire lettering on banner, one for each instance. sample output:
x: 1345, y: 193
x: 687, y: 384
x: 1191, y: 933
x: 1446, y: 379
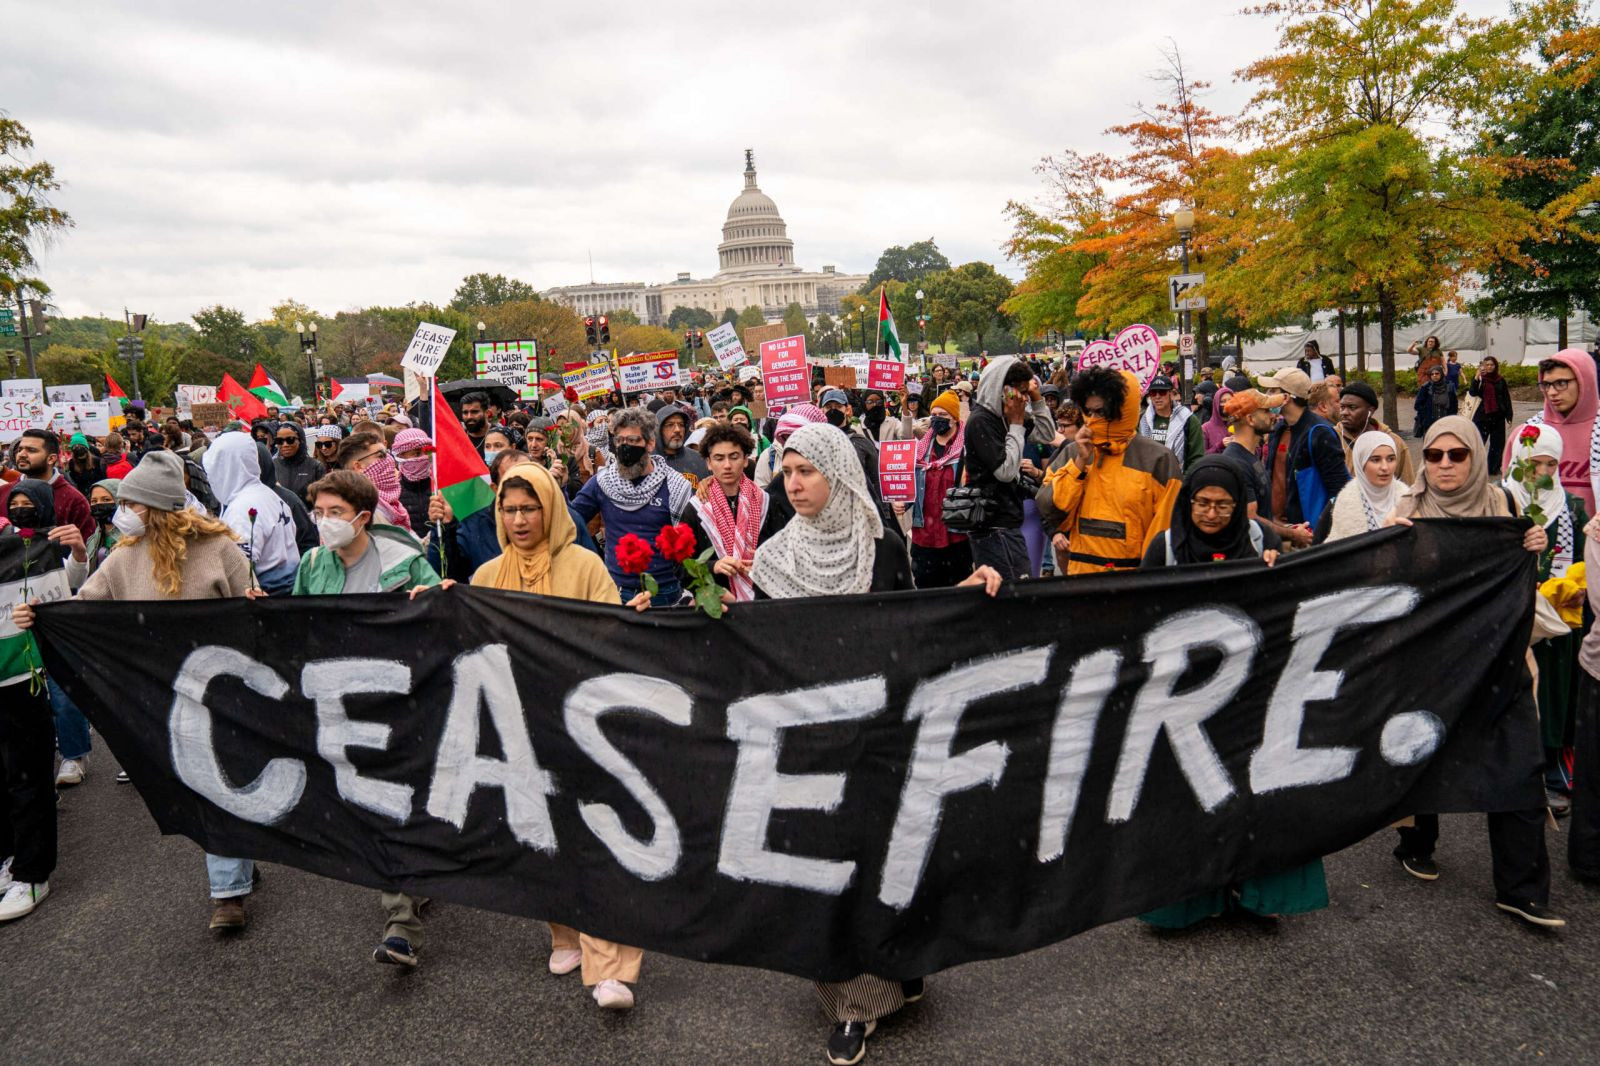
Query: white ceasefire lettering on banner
x: 726, y: 347
x: 61, y: 395
x: 427, y: 348
x: 1094, y: 678
x: 18, y: 413
x: 49, y: 587
x: 327, y: 682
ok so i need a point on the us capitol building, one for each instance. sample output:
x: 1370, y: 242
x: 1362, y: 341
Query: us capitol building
x: 756, y: 261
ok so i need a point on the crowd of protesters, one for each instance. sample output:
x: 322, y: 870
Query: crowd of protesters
x: 1024, y: 469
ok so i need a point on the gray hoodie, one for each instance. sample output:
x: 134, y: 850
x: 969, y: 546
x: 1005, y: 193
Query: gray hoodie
x: 991, y: 397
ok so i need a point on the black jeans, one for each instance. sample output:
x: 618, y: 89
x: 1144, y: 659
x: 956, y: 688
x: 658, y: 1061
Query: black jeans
x: 1516, y: 852
x: 1003, y: 549
x: 1583, y: 826
x: 1494, y: 438
x: 940, y: 568
x: 27, y: 782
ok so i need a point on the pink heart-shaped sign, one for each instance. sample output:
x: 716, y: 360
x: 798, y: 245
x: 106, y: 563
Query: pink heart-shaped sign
x: 1136, y: 349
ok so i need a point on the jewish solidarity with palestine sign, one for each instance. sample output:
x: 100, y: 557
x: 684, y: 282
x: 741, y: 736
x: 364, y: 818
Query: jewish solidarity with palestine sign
x: 852, y: 798
x: 1136, y: 349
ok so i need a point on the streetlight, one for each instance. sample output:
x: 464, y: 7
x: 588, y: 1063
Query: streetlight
x: 481, y: 328
x: 1183, y: 220
x: 308, y: 347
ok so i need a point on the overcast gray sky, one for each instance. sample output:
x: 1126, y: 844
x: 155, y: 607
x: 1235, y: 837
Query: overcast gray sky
x: 352, y: 154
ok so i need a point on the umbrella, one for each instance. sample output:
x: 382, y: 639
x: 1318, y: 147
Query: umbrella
x: 384, y: 379
x: 498, y: 391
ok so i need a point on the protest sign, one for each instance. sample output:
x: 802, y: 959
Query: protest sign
x: 726, y: 347
x: 886, y: 375
x: 847, y: 806
x: 1136, y: 349
x: 22, y: 387
x: 20, y: 412
x: 48, y: 587
x: 427, y: 349
x: 784, y: 372
x: 644, y: 371
x: 839, y: 377
x: 554, y: 404
x: 513, y: 363
x: 589, y: 381
x: 210, y: 414
x: 189, y: 395
x: 91, y: 419
x: 57, y: 395
x: 756, y: 336
x: 897, y: 471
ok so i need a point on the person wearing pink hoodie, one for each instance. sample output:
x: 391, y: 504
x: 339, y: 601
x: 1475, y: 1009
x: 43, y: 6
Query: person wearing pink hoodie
x: 1567, y: 382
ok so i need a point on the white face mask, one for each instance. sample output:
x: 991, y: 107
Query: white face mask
x: 336, y: 532
x: 128, y: 523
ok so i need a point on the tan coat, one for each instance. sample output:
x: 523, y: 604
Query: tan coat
x: 213, y: 568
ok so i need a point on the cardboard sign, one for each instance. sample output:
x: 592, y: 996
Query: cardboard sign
x: 57, y: 395
x: 886, y: 374
x: 839, y: 377
x: 22, y: 387
x: 513, y: 363
x: 189, y: 395
x: 589, y: 381
x: 784, y: 373
x: 1136, y: 349
x: 427, y: 349
x: 554, y: 405
x: 644, y: 371
x: 48, y: 587
x: 726, y: 347
x: 18, y: 413
x: 897, y: 471
x: 210, y: 414
x: 756, y: 336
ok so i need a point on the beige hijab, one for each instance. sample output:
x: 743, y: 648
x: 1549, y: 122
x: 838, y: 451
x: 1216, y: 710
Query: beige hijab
x: 1476, y: 498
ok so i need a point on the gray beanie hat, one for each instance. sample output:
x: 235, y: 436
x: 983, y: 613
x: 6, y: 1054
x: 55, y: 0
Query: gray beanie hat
x: 156, y: 482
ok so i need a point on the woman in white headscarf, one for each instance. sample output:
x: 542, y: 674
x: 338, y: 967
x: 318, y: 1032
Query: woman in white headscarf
x: 836, y: 545
x: 1540, y: 448
x: 1370, y: 497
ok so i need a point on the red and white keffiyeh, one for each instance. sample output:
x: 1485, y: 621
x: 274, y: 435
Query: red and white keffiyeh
x: 735, y: 535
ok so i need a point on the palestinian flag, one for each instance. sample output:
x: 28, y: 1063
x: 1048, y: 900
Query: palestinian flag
x: 242, y: 404
x: 266, y: 389
x: 886, y: 330
x: 462, y: 478
x: 113, y: 390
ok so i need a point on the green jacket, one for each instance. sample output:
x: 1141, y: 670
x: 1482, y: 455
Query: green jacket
x: 404, y: 568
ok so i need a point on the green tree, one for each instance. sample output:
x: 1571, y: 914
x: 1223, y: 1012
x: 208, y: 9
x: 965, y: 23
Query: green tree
x: 224, y: 332
x: 490, y: 290
x: 27, y: 217
x: 907, y: 263
x: 730, y: 316
x: 1361, y: 183
x: 750, y: 316
x: 621, y: 317
x: 684, y: 317
x: 794, y: 320
x: 64, y: 364
x: 967, y: 300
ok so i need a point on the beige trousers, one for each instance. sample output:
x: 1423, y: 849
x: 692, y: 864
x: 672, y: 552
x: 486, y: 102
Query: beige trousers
x: 405, y: 917
x: 863, y: 998
x: 602, y: 960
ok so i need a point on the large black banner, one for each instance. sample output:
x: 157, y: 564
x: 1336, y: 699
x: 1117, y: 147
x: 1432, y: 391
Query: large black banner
x: 886, y: 783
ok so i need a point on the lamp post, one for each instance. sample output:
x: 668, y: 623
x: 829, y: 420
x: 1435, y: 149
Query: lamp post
x: 481, y: 328
x: 1183, y: 220
x: 308, y: 348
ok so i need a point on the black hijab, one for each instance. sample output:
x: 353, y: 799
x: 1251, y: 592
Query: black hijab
x: 1190, y: 544
x: 43, y: 498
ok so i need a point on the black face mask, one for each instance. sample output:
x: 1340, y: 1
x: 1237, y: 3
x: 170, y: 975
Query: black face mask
x: 938, y: 425
x: 21, y: 517
x: 874, y: 417
x: 836, y: 418
x: 102, y: 512
x: 631, y: 454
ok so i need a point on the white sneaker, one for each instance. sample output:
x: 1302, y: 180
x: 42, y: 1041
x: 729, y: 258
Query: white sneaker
x: 71, y: 772
x: 613, y: 995
x: 565, y: 961
x: 22, y: 897
x: 6, y: 880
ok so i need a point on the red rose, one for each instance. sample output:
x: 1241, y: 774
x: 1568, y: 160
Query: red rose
x: 675, y: 542
x: 633, y: 554
x: 25, y: 532
x: 1530, y: 435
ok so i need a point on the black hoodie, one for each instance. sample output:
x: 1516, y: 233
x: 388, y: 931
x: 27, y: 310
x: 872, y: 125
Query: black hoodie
x: 297, y: 474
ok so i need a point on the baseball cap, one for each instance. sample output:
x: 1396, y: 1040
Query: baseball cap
x: 1294, y: 381
x: 835, y: 396
x: 1162, y: 383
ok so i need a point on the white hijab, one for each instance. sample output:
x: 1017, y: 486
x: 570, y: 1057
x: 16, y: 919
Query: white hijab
x: 1553, y: 500
x: 1376, y: 502
x: 832, y: 552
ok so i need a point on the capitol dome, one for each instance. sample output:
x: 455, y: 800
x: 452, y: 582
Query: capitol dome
x: 754, y: 237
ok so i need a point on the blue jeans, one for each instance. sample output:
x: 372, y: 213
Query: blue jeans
x: 72, y: 728
x: 229, y: 877
x: 671, y: 592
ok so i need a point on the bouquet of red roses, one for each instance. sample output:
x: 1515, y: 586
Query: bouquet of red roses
x: 676, y: 544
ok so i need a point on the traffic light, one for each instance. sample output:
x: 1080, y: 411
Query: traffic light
x: 605, y: 330
x: 699, y: 339
x: 589, y: 331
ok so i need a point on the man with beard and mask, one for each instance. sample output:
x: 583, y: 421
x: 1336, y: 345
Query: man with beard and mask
x: 673, y: 430
x: 292, y: 463
x: 84, y: 467
x: 1116, y: 490
x: 475, y: 417
x: 639, y: 493
x: 1007, y: 410
x: 34, y: 456
x: 260, y: 518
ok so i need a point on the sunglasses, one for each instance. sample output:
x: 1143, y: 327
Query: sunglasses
x: 291, y: 439
x: 1436, y: 455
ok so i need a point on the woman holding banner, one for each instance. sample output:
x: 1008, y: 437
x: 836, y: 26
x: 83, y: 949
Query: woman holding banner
x: 837, y: 545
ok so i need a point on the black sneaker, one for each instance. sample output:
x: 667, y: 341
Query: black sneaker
x: 848, y: 1044
x: 1419, y: 866
x: 122, y: 777
x: 911, y: 990
x: 1560, y: 803
x: 1532, y: 913
x: 395, y: 951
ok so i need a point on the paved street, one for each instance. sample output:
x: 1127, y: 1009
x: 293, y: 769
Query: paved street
x: 117, y: 966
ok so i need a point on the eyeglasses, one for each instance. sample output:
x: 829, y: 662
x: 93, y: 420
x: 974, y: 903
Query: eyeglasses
x: 523, y: 512
x: 1557, y: 384
x: 1436, y: 455
x: 1216, y: 507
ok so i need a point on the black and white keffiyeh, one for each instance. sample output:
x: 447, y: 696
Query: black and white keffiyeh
x: 632, y: 495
